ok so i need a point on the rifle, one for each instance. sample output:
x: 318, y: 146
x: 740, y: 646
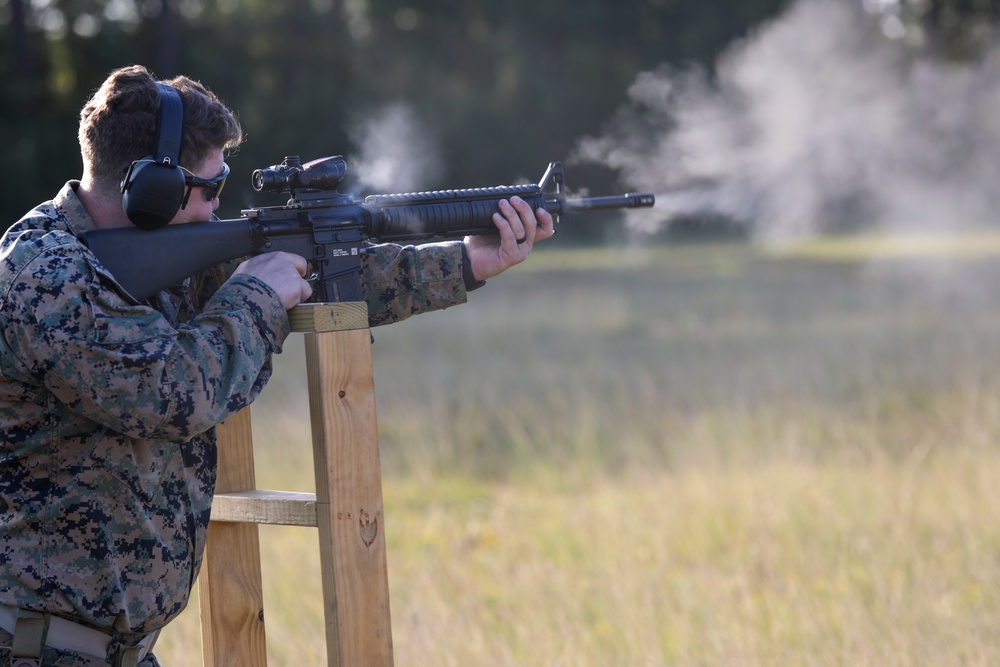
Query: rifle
x: 326, y: 227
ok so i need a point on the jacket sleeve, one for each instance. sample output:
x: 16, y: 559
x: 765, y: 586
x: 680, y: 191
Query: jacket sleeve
x: 124, y: 365
x: 400, y: 281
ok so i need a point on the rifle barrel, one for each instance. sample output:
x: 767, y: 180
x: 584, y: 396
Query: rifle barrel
x: 630, y: 200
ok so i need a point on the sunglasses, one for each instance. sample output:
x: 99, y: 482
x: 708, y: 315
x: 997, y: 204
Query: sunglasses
x: 213, y: 186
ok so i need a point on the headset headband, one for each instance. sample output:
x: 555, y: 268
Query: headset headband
x: 170, y: 128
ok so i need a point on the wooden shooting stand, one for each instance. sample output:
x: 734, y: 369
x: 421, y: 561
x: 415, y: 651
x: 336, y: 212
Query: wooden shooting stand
x: 347, y: 508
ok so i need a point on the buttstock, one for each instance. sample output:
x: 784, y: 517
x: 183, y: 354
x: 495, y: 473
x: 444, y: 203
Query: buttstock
x: 145, y: 262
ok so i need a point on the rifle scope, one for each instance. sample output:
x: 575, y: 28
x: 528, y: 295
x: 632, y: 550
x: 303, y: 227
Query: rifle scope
x: 320, y: 175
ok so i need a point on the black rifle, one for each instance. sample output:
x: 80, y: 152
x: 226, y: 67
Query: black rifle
x: 326, y: 227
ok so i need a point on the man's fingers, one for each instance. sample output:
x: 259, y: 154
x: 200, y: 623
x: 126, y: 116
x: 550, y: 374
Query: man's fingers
x: 283, y: 272
x: 300, y: 263
x: 546, y: 224
x: 519, y: 219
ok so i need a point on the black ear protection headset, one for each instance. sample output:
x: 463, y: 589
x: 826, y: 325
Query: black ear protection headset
x: 154, y: 188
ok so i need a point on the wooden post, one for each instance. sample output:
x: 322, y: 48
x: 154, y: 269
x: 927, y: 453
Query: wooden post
x: 347, y: 508
x: 230, y: 589
x: 349, y: 499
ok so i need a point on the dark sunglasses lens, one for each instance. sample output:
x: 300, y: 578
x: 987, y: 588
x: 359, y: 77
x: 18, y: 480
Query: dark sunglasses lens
x: 213, y: 190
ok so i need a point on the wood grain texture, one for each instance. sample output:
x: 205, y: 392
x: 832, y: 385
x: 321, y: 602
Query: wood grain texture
x: 322, y: 317
x: 349, y: 499
x: 284, y: 508
x: 230, y: 589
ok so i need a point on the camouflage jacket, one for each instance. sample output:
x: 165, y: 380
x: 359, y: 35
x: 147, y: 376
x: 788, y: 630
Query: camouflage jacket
x: 108, y: 408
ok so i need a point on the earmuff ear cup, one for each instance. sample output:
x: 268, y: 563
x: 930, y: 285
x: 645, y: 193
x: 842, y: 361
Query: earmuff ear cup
x: 154, y: 187
x: 152, y: 194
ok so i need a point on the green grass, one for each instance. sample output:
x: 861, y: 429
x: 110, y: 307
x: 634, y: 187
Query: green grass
x: 894, y: 246
x: 687, y: 455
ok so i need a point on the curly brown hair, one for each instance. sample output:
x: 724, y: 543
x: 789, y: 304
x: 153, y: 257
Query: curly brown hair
x: 118, y: 124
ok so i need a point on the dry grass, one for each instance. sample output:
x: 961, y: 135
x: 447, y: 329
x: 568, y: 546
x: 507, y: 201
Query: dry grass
x: 684, y: 456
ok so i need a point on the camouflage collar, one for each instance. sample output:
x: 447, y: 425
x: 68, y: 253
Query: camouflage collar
x: 74, y: 216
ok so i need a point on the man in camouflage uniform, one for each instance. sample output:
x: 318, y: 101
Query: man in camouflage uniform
x: 108, y: 405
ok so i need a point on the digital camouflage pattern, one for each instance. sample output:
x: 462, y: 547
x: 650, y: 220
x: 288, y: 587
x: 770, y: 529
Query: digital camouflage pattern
x: 108, y: 408
x: 411, y: 280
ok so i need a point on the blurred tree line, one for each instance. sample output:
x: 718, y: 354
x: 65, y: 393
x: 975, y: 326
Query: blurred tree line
x: 498, y: 88
x: 949, y: 29
x: 493, y: 90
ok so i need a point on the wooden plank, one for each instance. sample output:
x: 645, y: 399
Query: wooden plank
x: 285, y: 508
x: 230, y: 589
x: 349, y: 499
x: 320, y: 317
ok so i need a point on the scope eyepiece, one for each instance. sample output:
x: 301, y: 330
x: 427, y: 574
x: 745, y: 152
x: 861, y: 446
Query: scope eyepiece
x: 321, y: 175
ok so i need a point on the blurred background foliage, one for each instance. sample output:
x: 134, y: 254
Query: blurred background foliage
x: 498, y: 89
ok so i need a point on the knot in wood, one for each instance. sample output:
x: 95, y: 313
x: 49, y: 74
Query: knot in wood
x: 369, y: 527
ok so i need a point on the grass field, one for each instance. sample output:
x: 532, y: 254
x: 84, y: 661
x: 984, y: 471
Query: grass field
x: 688, y: 455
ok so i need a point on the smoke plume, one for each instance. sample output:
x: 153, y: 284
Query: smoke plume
x: 814, y: 122
x: 395, y: 152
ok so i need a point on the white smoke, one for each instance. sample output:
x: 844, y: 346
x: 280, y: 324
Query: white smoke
x: 396, y: 153
x: 816, y: 120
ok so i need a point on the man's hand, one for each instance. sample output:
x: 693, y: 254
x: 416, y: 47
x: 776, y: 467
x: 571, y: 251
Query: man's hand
x: 283, y: 272
x: 519, y: 228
